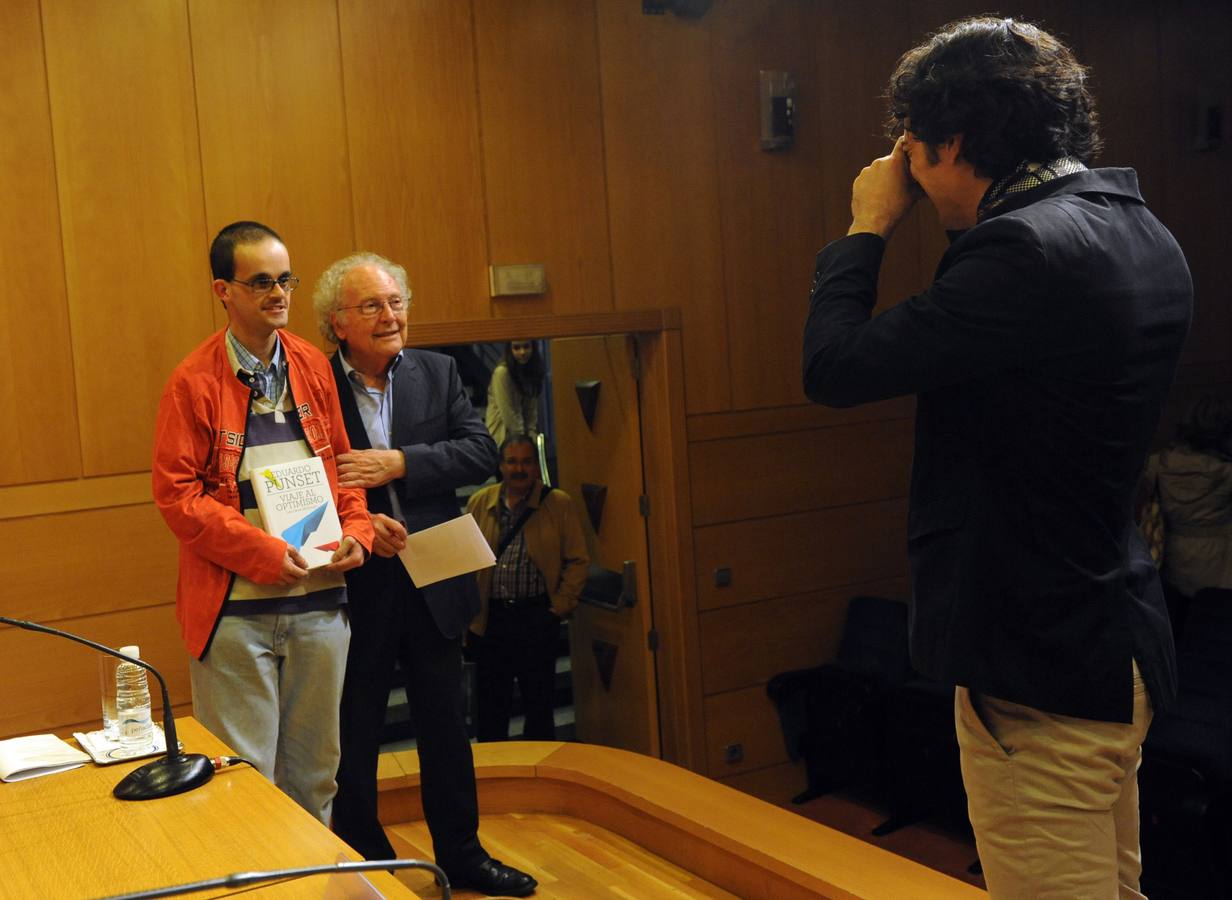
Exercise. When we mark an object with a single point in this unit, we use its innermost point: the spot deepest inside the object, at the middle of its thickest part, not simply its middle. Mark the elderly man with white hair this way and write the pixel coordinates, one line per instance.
(415, 439)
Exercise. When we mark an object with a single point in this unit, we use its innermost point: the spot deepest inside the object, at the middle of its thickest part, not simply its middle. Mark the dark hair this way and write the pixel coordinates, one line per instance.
(518, 439)
(222, 250)
(527, 377)
(1013, 91)
(1207, 427)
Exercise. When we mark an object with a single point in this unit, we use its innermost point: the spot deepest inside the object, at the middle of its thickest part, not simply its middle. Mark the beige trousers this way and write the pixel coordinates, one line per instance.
(1053, 799)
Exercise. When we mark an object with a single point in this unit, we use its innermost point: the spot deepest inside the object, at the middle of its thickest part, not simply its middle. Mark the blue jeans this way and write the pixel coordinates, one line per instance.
(269, 687)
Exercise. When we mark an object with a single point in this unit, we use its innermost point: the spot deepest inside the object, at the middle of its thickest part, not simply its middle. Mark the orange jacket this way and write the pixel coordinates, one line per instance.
(198, 442)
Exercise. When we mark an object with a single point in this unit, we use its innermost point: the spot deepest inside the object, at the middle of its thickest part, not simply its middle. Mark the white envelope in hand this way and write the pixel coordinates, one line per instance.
(446, 550)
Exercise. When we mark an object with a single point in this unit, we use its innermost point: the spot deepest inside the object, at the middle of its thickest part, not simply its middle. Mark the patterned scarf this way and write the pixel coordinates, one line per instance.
(1026, 177)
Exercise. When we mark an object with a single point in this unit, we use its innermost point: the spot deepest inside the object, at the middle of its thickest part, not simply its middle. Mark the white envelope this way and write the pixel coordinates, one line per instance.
(446, 550)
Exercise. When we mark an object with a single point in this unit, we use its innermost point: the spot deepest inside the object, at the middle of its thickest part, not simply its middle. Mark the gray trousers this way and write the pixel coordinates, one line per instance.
(269, 688)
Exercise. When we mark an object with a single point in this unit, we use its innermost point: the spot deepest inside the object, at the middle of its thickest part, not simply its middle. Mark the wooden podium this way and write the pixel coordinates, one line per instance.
(65, 835)
(737, 843)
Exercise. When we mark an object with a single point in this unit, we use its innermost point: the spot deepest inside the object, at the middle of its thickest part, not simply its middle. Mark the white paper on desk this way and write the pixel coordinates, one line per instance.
(445, 551)
(37, 754)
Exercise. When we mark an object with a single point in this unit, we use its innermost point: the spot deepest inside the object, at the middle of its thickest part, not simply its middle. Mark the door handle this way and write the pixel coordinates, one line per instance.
(628, 584)
(610, 590)
(541, 451)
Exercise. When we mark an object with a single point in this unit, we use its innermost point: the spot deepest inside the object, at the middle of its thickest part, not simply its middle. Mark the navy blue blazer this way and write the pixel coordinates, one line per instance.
(1042, 354)
(446, 447)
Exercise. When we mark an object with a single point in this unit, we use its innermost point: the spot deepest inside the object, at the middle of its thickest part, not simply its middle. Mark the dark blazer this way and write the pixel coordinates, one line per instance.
(446, 447)
(1042, 354)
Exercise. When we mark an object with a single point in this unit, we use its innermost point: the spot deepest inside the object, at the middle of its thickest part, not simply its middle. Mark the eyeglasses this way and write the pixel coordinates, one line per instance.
(263, 284)
(372, 308)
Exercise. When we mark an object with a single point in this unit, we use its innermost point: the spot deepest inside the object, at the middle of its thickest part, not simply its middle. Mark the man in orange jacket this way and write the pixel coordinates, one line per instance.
(267, 636)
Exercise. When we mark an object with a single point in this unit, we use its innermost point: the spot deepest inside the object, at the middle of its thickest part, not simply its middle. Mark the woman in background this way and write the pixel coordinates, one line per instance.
(1193, 478)
(513, 393)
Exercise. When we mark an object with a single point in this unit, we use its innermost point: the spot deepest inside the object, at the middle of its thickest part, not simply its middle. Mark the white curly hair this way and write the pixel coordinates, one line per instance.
(329, 287)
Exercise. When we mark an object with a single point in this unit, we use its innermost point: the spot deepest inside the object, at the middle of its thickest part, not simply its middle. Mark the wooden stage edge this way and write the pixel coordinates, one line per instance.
(733, 840)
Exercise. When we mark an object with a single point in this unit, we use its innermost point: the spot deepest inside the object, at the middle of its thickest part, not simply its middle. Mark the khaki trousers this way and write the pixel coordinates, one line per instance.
(1053, 799)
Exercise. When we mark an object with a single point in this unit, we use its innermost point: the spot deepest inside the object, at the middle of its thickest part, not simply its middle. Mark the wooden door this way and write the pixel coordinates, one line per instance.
(614, 688)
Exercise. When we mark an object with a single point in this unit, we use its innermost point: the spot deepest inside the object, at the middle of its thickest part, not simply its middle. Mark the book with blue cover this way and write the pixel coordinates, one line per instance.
(297, 505)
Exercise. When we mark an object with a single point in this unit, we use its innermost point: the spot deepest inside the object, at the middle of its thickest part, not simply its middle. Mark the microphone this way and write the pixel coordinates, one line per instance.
(174, 773)
(242, 879)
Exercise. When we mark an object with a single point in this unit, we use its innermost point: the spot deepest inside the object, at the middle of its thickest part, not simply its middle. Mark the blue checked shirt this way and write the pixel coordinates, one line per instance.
(271, 381)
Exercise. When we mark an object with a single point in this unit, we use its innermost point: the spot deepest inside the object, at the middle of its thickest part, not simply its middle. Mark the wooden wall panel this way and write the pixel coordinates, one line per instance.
(812, 551)
(924, 17)
(1196, 66)
(541, 121)
(1120, 44)
(123, 558)
(273, 131)
(116, 587)
(857, 48)
(41, 447)
(129, 176)
(1151, 64)
(770, 202)
(46, 497)
(768, 475)
(416, 166)
(662, 176)
(782, 419)
(804, 630)
(51, 684)
(748, 718)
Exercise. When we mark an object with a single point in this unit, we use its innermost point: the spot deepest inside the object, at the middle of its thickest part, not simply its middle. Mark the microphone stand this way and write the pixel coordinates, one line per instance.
(174, 773)
(243, 879)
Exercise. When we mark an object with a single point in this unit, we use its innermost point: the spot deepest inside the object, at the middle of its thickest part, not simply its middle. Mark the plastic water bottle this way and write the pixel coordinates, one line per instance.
(133, 704)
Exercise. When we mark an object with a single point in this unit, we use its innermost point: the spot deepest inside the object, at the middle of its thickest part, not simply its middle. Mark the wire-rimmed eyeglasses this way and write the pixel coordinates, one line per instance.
(372, 307)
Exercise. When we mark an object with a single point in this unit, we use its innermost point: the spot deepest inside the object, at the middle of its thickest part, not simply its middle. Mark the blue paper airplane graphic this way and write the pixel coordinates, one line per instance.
(298, 533)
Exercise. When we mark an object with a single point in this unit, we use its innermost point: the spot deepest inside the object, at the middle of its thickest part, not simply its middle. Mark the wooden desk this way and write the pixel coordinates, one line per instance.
(66, 836)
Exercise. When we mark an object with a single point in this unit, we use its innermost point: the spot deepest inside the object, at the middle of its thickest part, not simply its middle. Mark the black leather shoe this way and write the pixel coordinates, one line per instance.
(494, 879)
